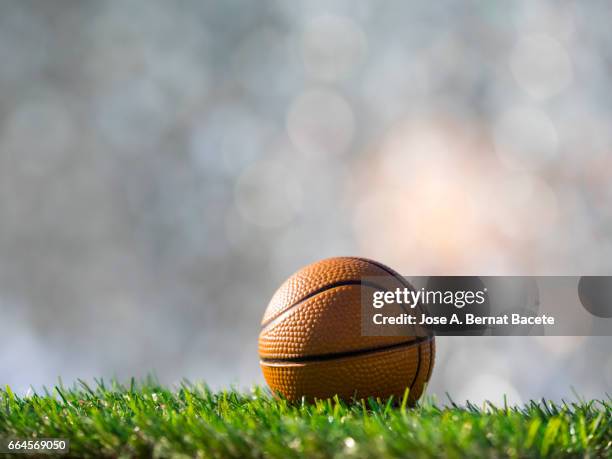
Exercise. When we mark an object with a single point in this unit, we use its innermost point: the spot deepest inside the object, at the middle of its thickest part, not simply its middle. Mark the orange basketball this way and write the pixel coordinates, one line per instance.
(311, 343)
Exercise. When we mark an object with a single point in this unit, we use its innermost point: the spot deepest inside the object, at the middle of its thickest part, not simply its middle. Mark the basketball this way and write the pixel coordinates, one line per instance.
(311, 343)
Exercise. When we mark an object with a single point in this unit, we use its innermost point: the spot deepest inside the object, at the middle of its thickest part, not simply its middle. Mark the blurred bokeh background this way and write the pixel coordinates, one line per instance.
(164, 166)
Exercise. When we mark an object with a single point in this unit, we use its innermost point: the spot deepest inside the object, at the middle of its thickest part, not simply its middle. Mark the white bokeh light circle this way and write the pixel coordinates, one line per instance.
(320, 121)
(541, 66)
(332, 46)
(267, 194)
(525, 138)
(489, 387)
(230, 139)
(560, 346)
(522, 207)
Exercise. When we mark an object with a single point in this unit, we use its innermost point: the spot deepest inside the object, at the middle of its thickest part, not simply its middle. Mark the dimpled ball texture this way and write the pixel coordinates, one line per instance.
(311, 344)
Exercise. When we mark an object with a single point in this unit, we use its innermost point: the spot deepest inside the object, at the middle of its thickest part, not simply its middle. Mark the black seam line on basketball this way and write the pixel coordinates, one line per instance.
(388, 270)
(396, 275)
(384, 268)
(418, 369)
(341, 355)
(319, 291)
(430, 360)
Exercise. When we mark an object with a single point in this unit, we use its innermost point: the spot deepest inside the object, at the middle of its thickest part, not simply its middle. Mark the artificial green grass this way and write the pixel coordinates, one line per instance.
(112, 420)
